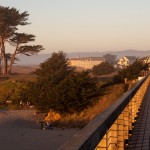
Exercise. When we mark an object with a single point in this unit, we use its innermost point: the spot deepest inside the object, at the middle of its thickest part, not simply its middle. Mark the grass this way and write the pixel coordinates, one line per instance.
(2, 106)
(22, 77)
(13, 83)
(9, 107)
(12, 107)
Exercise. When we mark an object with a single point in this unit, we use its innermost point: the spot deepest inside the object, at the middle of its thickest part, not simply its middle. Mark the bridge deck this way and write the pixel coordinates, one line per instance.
(140, 139)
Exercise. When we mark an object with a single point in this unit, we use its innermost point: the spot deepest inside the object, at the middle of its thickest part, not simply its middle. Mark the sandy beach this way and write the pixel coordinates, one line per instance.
(19, 131)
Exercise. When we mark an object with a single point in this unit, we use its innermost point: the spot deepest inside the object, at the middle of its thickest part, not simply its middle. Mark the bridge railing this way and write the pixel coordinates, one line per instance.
(113, 127)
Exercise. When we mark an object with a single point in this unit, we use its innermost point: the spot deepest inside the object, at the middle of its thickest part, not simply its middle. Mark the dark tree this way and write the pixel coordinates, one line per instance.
(131, 72)
(10, 18)
(75, 93)
(60, 87)
(110, 58)
(17, 40)
(103, 69)
(55, 69)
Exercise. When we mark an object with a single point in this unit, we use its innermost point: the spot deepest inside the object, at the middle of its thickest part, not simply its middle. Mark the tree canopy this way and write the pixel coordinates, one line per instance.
(10, 19)
(110, 58)
(103, 68)
(55, 69)
(60, 87)
(131, 72)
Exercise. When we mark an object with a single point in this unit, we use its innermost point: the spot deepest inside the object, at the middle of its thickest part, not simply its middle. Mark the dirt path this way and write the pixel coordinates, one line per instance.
(18, 131)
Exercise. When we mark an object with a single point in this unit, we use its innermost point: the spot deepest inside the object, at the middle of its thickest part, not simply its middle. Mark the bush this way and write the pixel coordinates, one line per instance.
(131, 72)
(11, 91)
(103, 69)
(60, 87)
(75, 93)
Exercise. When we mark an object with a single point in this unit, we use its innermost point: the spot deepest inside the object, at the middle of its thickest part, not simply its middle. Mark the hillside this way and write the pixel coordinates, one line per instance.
(119, 54)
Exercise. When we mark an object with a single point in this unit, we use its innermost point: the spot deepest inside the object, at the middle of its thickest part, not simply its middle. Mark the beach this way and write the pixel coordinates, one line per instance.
(19, 131)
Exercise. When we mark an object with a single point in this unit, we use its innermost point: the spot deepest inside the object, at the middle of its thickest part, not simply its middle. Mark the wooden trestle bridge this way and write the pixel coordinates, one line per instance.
(124, 125)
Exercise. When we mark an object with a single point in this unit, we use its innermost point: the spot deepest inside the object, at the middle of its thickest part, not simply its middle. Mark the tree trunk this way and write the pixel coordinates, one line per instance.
(1, 55)
(12, 60)
(4, 67)
(11, 63)
(0, 64)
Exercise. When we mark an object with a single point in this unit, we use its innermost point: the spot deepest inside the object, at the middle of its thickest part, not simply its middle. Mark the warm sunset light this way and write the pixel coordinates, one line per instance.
(74, 75)
(86, 25)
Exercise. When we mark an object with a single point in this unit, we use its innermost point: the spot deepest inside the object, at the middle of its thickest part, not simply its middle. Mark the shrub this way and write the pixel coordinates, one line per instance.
(75, 93)
(103, 69)
(60, 87)
(131, 72)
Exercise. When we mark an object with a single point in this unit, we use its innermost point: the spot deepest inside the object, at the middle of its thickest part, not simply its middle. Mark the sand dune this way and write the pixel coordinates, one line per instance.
(19, 131)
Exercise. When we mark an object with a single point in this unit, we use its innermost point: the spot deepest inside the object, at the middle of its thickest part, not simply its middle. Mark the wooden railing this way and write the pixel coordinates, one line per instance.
(113, 127)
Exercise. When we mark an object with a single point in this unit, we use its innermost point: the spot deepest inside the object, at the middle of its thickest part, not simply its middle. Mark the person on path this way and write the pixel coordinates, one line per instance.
(21, 104)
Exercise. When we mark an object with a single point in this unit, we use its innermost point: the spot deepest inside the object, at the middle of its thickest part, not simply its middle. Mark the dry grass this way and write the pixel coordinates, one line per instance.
(21, 73)
(79, 120)
(5, 87)
(24, 69)
(22, 77)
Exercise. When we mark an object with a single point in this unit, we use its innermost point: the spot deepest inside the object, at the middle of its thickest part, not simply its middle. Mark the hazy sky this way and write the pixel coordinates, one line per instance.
(87, 25)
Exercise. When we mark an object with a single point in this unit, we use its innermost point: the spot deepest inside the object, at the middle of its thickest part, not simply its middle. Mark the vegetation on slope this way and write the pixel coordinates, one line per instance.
(60, 87)
(76, 96)
(103, 69)
(131, 72)
(80, 119)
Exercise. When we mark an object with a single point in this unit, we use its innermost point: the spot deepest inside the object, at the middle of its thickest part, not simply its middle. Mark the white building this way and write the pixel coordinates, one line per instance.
(126, 61)
(86, 62)
(146, 59)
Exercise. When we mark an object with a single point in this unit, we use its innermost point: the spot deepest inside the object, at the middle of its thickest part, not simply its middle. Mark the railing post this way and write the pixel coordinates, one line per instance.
(112, 137)
(133, 105)
(126, 125)
(130, 118)
(120, 122)
(102, 144)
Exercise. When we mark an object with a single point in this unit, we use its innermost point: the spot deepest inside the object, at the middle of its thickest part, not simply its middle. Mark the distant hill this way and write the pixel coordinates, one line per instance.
(119, 54)
(37, 59)
(135, 53)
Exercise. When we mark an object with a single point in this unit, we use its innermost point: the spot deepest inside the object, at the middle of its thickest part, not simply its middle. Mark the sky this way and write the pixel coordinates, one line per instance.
(87, 25)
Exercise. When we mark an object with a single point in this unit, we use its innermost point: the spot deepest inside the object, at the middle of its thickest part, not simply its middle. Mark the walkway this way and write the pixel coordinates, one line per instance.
(18, 131)
(140, 139)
